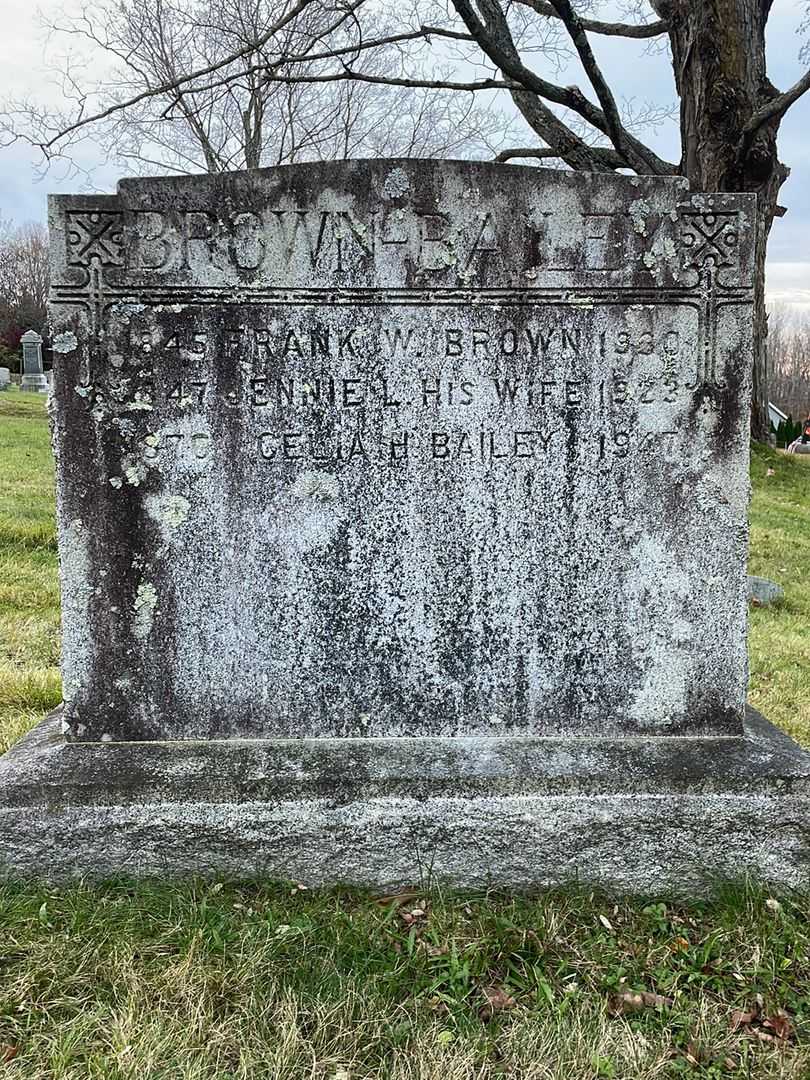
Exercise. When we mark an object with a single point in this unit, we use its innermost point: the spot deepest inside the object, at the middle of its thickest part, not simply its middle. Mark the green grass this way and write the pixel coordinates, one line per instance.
(219, 981)
(267, 981)
(29, 589)
(779, 636)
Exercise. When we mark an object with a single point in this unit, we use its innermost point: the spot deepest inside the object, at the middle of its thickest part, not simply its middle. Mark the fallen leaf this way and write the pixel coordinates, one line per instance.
(770, 472)
(769, 1029)
(414, 915)
(636, 1001)
(773, 905)
(779, 1024)
(496, 999)
(8, 1052)
(763, 1036)
(434, 950)
(741, 1018)
(605, 921)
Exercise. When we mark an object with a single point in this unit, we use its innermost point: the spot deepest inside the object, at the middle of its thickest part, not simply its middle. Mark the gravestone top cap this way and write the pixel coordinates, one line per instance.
(31, 337)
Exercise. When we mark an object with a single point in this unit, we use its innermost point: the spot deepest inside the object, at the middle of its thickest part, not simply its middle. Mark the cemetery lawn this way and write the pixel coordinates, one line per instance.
(221, 981)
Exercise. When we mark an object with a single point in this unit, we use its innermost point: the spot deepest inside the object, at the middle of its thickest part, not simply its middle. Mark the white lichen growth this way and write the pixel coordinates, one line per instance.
(396, 184)
(144, 608)
(139, 403)
(134, 474)
(638, 210)
(663, 254)
(65, 343)
(169, 511)
(116, 482)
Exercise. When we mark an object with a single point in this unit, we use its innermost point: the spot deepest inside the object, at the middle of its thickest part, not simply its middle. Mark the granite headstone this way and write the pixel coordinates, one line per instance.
(33, 376)
(5, 378)
(402, 508)
(763, 592)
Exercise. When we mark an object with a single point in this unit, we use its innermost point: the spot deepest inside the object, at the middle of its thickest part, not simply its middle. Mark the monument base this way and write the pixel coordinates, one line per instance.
(36, 384)
(644, 815)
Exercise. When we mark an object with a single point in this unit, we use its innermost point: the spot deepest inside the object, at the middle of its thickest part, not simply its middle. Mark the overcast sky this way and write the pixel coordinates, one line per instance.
(633, 75)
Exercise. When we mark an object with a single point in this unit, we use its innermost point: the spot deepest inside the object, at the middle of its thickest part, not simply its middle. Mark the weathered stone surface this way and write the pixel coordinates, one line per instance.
(651, 815)
(5, 378)
(402, 448)
(764, 592)
(411, 497)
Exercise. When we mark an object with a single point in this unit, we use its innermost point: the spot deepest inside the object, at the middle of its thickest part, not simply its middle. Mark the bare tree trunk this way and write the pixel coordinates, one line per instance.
(718, 54)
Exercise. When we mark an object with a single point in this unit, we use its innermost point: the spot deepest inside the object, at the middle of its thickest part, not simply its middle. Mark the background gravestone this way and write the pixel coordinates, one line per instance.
(33, 377)
(402, 515)
(5, 378)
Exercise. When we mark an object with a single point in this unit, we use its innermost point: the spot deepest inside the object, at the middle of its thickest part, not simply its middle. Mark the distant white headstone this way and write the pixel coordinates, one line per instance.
(33, 377)
(5, 378)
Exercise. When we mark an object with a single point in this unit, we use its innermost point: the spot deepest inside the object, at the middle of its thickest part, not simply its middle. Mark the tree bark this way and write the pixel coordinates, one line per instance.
(718, 56)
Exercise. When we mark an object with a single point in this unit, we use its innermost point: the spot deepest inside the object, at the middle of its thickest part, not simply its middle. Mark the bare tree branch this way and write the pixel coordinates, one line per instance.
(608, 157)
(777, 106)
(175, 84)
(618, 136)
(496, 42)
(609, 29)
(424, 32)
(348, 75)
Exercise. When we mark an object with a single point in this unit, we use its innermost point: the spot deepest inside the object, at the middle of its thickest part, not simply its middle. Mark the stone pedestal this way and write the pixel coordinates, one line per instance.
(650, 815)
(37, 384)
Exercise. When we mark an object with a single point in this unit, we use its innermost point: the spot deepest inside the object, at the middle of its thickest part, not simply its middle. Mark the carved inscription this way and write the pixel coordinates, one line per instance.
(355, 388)
(289, 243)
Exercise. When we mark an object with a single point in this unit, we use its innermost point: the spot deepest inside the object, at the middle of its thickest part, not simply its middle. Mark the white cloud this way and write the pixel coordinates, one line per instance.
(788, 283)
